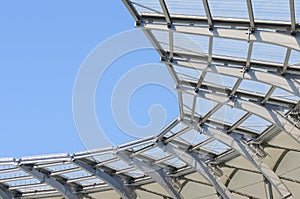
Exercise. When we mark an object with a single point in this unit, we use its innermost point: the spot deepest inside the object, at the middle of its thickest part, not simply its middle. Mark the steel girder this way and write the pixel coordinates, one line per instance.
(155, 172)
(5, 193)
(237, 143)
(218, 21)
(277, 38)
(60, 185)
(114, 181)
(195, 161)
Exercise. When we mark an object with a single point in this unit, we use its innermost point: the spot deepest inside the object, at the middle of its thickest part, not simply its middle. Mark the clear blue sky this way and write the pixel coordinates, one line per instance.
(42, 45)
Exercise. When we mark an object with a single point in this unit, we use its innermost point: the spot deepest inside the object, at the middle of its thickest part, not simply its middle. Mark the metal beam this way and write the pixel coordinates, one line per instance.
(155, 172)
(276, 38)
(268, 95)
(272, 67)
(65, 189)
(197, 163)
(293, 16)
(166, 12)
(208, 13)
(286, 60)
(132, 10)
(5, 193)
(239, 121)
(113, 180)
(219, 21)
(236, 143)
(250, 13)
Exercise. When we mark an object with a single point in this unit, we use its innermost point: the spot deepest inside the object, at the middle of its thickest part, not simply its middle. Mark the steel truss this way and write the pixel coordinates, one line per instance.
(183, 155)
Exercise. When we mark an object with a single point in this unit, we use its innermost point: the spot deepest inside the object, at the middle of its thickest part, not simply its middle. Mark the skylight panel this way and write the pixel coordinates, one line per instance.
(228, 8)
(253, 86)
(255, 123)
(192, 137)
(279, 93)
(187, 73)
(187, 7)
(268, 52)
(188, 43)
(271, 10)
(228, 114)
(230, 47)
(118, 165)
(76, 174)
(147, 6)
(204, 106)
(294, 58)
(216, 147)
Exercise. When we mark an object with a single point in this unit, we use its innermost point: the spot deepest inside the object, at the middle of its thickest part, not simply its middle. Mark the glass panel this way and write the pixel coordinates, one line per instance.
(254, 86)
(284, 94)
(271, 9)
(204, 105)
(295, 58)
(190, 43)
(187, 7)
(228, 8)
(193, 137)
(228, 114)
(230, 47)
(268, 52)
(255, 123)
(216, 147)
(187, 73)
(147, 6)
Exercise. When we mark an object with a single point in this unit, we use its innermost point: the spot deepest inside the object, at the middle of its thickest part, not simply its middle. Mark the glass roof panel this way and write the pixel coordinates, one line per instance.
(187, 102)
(230, 47)
(228, 114)
(216, 146)
(156, 153)
(187, 7)
(118, 165)
(284, 94)
(255, 123)
(253, 86)
(271, 9)
(204, 105)
(221, 80)
(228, 8)
(187, 73)
(90, 181)
(297, 10)
(23, 182)
(175, 162)
(268, 52)
(189, 43)
(294, 58)
(35, 188)
(192, 137)
(147, 6)
(76, 174)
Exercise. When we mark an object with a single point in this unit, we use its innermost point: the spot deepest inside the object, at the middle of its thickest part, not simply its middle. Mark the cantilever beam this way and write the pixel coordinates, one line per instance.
(155, 172)
(65, 189)
(195, 161)
(114, 181)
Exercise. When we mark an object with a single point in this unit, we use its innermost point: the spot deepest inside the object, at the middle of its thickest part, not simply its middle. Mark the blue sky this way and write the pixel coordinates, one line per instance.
(43, 44)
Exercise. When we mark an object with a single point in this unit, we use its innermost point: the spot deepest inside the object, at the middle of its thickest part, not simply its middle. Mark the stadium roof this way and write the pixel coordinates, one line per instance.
(236, 68)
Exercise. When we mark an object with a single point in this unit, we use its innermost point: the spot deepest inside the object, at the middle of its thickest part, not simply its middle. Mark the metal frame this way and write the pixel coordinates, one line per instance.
(244, 142)
(115, 182)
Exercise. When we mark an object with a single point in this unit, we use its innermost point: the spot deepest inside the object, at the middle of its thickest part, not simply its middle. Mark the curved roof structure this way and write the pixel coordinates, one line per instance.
(236, 68)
